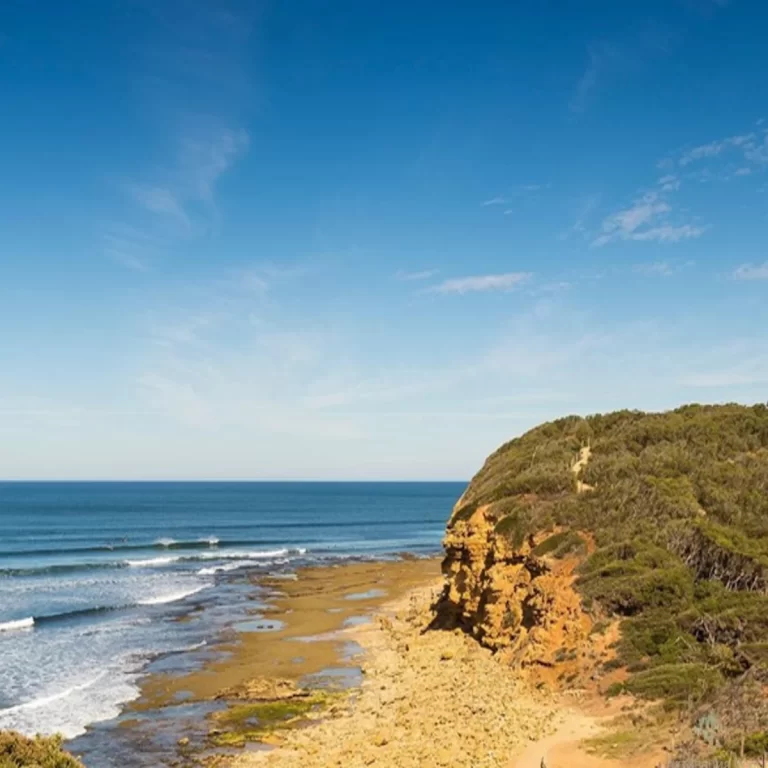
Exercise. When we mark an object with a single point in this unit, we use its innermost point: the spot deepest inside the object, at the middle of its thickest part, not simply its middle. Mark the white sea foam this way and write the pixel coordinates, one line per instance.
(172, 597)
(211, 540)
(209, 571)
(69, 710)
(9, 626)
(152, 561)
(45, 700)
(257, 555)
(165, 542)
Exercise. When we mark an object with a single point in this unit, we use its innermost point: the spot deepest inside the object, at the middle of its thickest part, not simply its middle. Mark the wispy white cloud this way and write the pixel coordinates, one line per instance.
(191, 85)
(624, 224)
(423, 274)
(586, 207)
(757, 153)
(181, 199)
(714, 148)
(752, 272)
(129, 260)
(587, 83)
(669, 183)
(501, 282)
(556, 287)
(660, 268)
(203, 159)
(126, 252)
(161, 201)
(645, 221)
(519, 190)
(669, 233)
(532, 187)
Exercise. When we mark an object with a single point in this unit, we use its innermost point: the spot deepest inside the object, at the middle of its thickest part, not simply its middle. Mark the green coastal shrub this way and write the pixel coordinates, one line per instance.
(678, 510)
(17, 751)
(561, 544)
(676, 682)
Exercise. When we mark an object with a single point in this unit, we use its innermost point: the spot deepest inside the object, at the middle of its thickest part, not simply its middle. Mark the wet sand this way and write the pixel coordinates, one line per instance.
(295, 636)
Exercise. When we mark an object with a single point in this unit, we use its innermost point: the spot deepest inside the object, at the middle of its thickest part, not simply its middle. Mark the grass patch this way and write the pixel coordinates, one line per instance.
(251, 722)
(617, 745)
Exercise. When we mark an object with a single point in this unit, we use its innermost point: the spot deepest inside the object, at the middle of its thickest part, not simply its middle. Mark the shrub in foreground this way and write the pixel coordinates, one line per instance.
(17, 751)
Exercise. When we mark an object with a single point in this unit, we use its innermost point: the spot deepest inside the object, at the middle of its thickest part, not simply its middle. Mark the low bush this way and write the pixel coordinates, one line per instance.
(676, 682)
(561, 544)
(18, 751)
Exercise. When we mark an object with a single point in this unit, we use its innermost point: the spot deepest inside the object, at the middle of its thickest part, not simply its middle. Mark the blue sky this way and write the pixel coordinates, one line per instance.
(358, 240)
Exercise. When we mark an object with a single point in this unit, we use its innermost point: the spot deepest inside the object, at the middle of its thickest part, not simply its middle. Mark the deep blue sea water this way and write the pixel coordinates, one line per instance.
(94, 575)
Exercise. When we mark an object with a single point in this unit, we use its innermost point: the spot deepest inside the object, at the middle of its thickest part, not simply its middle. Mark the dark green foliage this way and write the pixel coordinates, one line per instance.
(629, 585)
(464, 513)
(755, 744)
(679, 513)
(561, 544)
(514, 527)
(679, 683)
(17, 751)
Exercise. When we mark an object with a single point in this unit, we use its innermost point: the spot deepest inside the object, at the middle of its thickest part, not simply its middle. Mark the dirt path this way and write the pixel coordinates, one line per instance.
(584, 455)
(562, 744)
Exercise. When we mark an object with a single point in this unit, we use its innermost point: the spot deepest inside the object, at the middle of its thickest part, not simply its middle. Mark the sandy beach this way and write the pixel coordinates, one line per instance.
(432, 698)
(297, 633)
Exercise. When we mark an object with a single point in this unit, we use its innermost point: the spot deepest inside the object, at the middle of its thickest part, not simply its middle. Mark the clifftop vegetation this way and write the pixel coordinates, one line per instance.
(667, 514)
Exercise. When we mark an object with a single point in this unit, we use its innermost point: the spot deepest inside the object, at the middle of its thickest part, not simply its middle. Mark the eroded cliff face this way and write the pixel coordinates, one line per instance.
(514, 602)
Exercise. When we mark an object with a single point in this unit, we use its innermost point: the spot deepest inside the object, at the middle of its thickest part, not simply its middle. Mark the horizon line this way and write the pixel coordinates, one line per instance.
(8, 481)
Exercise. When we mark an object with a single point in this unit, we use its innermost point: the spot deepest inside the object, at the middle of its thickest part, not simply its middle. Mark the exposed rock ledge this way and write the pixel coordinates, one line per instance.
(509, 599)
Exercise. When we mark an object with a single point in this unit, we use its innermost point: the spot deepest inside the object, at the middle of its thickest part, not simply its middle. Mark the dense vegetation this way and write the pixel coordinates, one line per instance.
(678, 509)
(17, 751)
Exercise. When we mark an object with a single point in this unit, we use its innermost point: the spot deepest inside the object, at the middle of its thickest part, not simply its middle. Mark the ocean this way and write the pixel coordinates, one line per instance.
(95, 578)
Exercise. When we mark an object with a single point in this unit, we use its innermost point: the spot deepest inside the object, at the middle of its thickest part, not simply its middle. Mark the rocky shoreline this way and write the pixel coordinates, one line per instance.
(437, 698)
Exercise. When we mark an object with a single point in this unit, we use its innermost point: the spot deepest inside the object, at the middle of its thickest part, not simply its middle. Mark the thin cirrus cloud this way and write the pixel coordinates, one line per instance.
(661, 268)
(422, 274)
(520, 189)
(587, 83)
(751, 146)
(204, 159)
(645, 220)
(669, 183)
(714, 148)
(161, 201)
(180, 202)
(201, 161)
(752, 272)
(506, 281)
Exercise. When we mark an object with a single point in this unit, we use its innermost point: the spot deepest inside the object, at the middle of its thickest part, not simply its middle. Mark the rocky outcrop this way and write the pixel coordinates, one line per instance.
(509, 598)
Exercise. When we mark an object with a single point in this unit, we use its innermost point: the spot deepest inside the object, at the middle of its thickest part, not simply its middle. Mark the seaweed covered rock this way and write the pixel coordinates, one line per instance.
(659, 521)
